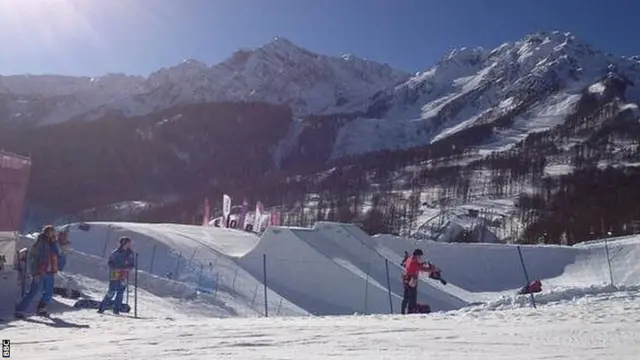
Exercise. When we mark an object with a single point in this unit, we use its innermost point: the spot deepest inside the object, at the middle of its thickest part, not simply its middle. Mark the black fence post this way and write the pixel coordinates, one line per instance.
(606, 249)
(386, 265)
(25, 269)
(264, 271)
(200, 276)
(526, 276)
(135, 289)
(153, 258)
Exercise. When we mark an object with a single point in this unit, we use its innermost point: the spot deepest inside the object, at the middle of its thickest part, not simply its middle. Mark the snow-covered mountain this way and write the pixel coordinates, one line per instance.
(47, 99)
(472, 102)
(278, 72)
(533, 84)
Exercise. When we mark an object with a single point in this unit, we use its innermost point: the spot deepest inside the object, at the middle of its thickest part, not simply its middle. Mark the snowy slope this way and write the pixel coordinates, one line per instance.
(491, 269)
(323, 264)
(534, 82)
(50, 99)
(498, 96)
(202, 258)
(336, 269)
(311, 279)
(277, 72)
(302, 265)
(306, 267)
(605, 326)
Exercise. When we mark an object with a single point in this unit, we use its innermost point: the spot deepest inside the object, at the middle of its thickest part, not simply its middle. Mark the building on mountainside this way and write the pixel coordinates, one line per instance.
(456, 227)
(460, 231)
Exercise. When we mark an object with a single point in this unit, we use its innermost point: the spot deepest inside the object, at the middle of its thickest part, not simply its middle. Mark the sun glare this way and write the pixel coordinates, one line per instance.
(43, 17)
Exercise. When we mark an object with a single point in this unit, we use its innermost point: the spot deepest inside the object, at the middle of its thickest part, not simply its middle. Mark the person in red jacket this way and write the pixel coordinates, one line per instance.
(412, 267)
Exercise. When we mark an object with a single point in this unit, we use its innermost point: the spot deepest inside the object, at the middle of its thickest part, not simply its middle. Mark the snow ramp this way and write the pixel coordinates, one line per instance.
(308, 278)
(494, 268)
(488, 267)
(349, 246)
(591, 265)
(201, 257)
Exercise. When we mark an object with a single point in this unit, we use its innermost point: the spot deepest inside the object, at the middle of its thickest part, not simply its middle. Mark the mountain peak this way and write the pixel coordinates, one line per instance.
(282, 44)
(465, 55)
(193, 63)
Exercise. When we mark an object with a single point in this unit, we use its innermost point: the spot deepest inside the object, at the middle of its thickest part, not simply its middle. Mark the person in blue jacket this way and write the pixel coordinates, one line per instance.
(44, 260)
(120, 262)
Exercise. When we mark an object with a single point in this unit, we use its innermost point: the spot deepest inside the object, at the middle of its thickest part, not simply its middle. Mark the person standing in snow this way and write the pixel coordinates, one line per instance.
(405, 258)
(412, 267)
(120, 262)
(42, 264)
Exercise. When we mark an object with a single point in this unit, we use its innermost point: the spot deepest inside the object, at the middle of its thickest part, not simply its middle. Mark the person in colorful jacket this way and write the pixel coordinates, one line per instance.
(412, 267)
(43, 262)
(120, 262)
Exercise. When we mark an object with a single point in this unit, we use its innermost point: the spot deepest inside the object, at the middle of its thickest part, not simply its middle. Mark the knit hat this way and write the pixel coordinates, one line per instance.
(48, 228)
(417, 252)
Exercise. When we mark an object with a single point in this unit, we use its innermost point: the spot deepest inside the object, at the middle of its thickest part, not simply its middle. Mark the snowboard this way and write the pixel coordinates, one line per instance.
(32, 315)
(67, 293)
(95, 304)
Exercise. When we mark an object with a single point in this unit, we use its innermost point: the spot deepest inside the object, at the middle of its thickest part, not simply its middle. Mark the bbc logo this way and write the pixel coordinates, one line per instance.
(6, 348)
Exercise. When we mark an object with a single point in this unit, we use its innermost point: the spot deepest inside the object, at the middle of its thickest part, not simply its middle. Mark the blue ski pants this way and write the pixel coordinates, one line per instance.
(41, 284)
(116, 288)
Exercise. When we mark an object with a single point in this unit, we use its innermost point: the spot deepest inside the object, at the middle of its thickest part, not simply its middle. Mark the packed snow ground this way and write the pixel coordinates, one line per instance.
(605, 326)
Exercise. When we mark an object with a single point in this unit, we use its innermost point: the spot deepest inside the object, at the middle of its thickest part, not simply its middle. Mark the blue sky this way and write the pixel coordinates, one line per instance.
(94, 37)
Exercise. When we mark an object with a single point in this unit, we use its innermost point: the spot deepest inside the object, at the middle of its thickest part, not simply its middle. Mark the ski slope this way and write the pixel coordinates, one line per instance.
(488, 271)
(200, 259)
(604, 326)
(304, 267)
(337, 269)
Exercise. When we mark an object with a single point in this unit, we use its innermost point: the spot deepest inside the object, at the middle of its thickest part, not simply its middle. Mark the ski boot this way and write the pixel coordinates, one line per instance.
(19, 315)
(41, 309)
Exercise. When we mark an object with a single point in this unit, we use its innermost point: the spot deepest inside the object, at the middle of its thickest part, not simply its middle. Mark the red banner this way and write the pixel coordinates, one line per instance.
(14, 179)
(275, 218)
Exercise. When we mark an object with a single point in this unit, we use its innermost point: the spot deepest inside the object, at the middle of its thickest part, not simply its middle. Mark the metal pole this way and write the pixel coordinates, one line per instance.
(215, 289)
(255, 293)
(606, 249)
(526, 276)
(175, 273)
(264, 271)
(153, 258)
(366, 285)
(279, 306)
(25, 268)
(106, 242)
(233, 284)
(386, 265)
(135, 289)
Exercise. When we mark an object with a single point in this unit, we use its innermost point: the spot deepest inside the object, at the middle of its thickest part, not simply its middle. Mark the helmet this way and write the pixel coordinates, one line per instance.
(417, 252)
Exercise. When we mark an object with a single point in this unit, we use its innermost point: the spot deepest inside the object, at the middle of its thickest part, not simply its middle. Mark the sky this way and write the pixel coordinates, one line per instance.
(95, 37)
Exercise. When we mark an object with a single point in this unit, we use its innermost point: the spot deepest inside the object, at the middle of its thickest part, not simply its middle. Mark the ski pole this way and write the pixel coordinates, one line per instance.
(135, 289)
